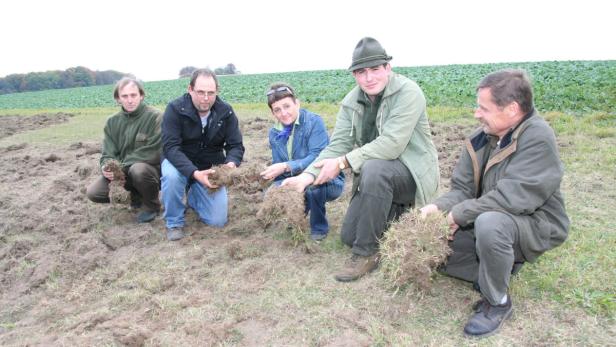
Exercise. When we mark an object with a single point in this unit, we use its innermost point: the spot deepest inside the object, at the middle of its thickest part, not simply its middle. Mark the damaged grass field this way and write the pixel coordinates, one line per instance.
(76, 273)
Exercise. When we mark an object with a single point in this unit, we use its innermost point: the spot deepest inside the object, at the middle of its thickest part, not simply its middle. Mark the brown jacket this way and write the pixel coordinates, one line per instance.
(520, 177)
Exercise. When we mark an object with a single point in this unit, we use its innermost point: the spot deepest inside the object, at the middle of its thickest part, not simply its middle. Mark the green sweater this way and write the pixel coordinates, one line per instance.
(403, 133)
(133, 137)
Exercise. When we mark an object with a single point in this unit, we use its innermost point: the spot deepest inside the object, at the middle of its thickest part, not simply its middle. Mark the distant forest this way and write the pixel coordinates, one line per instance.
(72, 77)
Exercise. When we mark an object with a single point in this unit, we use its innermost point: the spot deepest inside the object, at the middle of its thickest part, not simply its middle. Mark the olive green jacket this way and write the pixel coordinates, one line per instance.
(403, 133)
(133, 137)
(520, 177)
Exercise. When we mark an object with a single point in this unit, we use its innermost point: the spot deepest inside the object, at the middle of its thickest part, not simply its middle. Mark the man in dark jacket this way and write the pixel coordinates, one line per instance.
(505, 206)
(132, 138)
(199, 131)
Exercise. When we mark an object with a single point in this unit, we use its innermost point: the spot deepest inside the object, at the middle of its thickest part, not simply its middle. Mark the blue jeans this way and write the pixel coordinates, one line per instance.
(211, 207)
(315, 198)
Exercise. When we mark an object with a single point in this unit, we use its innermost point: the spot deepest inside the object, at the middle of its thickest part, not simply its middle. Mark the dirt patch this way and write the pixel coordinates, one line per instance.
(10, 125)
(448, 140)
(51, 236)
(77, 273)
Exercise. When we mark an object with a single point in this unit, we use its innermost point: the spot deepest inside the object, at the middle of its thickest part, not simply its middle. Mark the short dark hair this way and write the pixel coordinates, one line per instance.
(507, 86)
(203, 72)
(287, 92)
(123, 82)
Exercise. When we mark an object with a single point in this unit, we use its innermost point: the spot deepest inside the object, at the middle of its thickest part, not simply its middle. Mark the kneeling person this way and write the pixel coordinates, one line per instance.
(199, 131)
(132, 138)
(296, 140)
(505, 205)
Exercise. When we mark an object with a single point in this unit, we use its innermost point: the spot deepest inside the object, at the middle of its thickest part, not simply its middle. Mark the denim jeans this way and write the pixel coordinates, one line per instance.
(315, 198)
(211, 207)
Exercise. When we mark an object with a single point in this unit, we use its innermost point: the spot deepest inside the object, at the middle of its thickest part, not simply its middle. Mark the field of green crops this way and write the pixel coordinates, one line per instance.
(572, 86)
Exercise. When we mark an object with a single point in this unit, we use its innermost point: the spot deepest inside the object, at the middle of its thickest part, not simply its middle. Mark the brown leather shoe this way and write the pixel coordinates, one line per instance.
(357, 267)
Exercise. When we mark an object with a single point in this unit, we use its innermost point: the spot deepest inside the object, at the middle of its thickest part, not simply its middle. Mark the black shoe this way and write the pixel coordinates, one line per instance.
(487, 318)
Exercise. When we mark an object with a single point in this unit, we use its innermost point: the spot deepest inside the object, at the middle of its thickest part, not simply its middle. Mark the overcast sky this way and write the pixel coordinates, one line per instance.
(154, 41)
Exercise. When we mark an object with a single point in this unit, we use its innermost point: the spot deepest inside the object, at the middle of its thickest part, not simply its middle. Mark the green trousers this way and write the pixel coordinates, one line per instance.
(486, 253)
(381, 192)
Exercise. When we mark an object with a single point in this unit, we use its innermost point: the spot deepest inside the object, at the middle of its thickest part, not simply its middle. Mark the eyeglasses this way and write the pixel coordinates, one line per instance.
(279, 90)
(203, 93)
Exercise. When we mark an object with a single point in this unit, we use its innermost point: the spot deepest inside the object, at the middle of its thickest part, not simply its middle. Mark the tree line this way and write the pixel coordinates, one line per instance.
(78, 76)
(229, 69)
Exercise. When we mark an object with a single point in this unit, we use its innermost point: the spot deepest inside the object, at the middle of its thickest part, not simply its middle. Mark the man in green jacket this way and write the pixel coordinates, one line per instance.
(132, 137)
(505, 205)
(382, 134)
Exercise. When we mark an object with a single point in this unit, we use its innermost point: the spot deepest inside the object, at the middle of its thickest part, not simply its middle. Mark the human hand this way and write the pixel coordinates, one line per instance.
(231, 165)
(299, 182)
(202, 177)
(329, 170)
(108, 174)
(453, 226)
(274, 171)
(428, 210)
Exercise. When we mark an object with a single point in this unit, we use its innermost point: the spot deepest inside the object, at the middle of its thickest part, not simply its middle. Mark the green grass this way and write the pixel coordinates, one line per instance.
(573, 86)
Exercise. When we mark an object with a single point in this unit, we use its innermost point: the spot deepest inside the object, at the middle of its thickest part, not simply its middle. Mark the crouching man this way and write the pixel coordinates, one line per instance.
(132, 138)
(505, 206)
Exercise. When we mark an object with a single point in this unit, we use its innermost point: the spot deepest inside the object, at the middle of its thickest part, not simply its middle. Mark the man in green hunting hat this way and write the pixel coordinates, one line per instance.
(383, 137)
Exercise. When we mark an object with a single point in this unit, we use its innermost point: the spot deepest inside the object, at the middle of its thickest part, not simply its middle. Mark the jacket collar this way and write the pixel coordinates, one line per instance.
(506, 140)
(299, 120)
(185, 106)
(393, 86)
(480, 138)
(137, 112)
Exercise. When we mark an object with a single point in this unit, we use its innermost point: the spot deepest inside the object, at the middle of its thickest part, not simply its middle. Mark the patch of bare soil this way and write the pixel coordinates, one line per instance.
(10, 125)
(77, 273)
(448, 140)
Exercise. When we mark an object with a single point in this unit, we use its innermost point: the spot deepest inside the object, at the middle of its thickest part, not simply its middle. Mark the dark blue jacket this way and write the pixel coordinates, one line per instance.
(309, 139)
(190, 147)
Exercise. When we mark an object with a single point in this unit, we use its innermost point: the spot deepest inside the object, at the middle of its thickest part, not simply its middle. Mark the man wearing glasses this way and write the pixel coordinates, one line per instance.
(382, 134)
(199, 130)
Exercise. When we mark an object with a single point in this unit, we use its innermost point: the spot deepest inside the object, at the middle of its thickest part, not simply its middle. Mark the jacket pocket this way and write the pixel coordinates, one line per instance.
(140, 140)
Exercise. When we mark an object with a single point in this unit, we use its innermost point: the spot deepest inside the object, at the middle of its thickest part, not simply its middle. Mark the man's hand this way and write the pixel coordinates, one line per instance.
(428, 210)
(274, 171)
(108, 174)
(329, 170)
(453, 226)
(202, 177)
(299, 182)
(231, 165)
(432, 208)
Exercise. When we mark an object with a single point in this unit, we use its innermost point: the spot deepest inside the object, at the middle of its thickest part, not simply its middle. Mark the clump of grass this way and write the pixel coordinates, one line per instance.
(285, 207)
(245, 178)
(413, 248)
(222, 176)
(117, 193)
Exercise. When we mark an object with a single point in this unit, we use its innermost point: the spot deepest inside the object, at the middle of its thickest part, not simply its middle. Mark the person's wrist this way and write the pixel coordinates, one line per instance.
(310, 177)
(342, 163)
